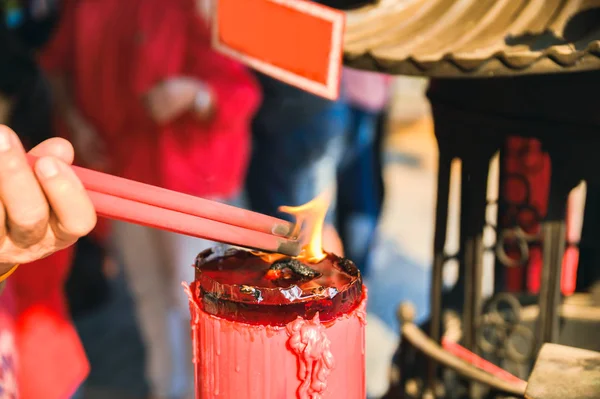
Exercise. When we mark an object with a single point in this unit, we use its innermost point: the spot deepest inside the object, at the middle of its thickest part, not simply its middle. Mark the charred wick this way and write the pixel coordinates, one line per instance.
(203, 256)
(297, 267)
(348, 266)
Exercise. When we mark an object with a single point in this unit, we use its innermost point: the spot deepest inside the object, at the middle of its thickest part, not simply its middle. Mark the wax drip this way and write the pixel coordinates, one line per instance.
(195, 313)
(308, 340)
(361, 310)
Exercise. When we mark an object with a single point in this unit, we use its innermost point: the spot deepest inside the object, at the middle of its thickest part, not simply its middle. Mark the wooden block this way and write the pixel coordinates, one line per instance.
(296, 41)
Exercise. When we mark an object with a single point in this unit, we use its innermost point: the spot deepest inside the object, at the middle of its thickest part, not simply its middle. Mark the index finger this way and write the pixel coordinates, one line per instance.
(55, 147)
(74, 212)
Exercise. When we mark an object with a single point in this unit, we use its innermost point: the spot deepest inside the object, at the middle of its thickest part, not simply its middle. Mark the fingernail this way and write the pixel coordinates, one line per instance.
(5, 143)
(47, 167)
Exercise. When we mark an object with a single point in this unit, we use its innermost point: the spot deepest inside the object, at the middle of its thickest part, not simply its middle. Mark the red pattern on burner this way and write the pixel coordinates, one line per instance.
(309, 341)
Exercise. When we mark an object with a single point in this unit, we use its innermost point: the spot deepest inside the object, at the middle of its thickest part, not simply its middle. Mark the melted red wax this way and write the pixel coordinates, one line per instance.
(311, 360)
(238, 286)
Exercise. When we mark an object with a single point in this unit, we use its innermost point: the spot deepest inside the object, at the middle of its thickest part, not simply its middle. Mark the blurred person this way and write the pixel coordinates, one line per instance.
(25, 96)
(297, 145)
(297, 139)
(27, 27)
(35, 299)
(45, 210)
(142, 94)
(360, 180)
(304, 144)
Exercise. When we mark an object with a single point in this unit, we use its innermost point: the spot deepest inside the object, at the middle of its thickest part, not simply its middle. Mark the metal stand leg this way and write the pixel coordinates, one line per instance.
(566, 177)
(441, 222)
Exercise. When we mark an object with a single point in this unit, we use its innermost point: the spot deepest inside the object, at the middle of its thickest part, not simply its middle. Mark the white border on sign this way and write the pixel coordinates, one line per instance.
(337, 18)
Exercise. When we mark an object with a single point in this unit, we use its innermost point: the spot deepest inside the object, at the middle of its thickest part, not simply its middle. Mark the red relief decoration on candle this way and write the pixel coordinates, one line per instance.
(308, 340)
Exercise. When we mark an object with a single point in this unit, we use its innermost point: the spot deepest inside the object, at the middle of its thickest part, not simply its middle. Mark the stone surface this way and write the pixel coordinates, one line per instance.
(564, 372)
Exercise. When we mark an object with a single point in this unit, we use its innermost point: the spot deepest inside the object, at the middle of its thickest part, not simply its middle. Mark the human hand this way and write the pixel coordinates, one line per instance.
(175, 96)
(89, 147)
(204, 8)
(42, 210)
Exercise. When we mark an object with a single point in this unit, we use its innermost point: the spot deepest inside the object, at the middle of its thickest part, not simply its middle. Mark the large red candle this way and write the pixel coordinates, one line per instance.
(277, 330)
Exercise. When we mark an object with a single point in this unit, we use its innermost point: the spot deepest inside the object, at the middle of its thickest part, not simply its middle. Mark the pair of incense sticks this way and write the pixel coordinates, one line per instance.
(130, 201)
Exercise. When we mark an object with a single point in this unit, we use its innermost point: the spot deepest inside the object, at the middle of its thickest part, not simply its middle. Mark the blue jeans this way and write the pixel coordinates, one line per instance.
(359, 188)
(296, 154)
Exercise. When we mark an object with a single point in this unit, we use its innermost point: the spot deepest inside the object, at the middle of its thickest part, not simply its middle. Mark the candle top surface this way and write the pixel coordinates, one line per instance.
(226, 279)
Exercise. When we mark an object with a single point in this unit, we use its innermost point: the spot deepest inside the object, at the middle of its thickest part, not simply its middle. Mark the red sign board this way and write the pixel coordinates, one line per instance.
(296, 41)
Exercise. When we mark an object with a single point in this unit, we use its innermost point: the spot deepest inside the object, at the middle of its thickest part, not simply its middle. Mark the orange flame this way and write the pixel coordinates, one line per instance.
(268, 257)
(310, 219)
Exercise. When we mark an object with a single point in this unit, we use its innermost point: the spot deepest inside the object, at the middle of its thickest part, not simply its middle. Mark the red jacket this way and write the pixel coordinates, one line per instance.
(51, 360)
(115, 51)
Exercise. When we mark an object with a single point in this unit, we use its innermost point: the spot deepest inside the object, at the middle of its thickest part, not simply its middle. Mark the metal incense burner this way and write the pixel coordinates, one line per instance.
(513, 123)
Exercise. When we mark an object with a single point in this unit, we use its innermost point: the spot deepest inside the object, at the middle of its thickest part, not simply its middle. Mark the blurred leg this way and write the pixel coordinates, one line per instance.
(145, 263)
(182, 251)
(380, 134)
(359, 191)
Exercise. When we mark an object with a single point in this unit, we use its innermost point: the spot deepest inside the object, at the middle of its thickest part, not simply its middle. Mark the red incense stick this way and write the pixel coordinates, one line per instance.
(135, 202)
(173, 200)
(479, 362)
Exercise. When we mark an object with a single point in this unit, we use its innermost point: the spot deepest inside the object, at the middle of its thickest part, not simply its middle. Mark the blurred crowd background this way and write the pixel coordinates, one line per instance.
(136, 87)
